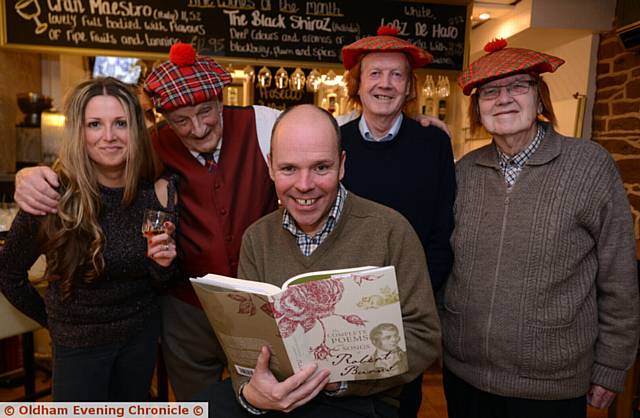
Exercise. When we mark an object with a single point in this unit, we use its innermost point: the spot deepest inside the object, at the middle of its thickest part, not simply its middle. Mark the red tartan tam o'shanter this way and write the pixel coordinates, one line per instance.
(385, 41)
(186, 79)
(502, 62)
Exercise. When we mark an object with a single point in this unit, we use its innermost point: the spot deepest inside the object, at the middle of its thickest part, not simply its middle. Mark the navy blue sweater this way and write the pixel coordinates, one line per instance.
(414, 174)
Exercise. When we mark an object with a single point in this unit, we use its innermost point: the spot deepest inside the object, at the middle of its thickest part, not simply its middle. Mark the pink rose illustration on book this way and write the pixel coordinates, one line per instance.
(247, 307)
(306, 305)
(359, 278)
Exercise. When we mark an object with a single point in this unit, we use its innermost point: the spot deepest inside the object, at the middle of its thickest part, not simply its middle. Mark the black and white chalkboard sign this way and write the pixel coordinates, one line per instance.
(298, 30)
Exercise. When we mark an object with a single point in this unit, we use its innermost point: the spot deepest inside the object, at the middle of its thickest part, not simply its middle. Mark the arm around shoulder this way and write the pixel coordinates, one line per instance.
(36, 190)
(426, 120)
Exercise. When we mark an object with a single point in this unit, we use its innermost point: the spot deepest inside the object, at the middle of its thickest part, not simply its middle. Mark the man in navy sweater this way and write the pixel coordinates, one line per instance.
(393, 160)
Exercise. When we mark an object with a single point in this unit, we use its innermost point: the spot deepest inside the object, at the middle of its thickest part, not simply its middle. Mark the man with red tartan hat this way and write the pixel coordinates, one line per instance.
(393, 160)
(219, 154)
(541, 310)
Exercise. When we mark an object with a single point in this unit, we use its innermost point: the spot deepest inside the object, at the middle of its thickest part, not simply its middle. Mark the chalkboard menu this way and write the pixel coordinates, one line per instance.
(300, 30)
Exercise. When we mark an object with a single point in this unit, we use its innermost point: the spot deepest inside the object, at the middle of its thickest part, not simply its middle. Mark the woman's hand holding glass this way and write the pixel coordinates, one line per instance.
(158, 230)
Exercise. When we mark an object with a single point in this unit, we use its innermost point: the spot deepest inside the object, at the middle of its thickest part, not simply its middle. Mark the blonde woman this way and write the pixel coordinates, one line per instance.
(100, 305)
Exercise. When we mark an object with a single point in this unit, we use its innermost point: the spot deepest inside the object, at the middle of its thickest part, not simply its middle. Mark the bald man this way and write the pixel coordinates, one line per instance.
(321, 226)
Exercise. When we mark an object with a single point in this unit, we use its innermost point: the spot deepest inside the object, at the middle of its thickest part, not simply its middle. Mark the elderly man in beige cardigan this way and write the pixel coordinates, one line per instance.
(541, 308)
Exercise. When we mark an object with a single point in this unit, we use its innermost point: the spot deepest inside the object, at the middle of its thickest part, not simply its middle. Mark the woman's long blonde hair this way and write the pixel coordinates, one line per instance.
(72, 238)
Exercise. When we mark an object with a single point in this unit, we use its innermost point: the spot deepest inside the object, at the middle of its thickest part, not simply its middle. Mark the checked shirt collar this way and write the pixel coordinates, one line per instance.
(309, 244)
(510, 167)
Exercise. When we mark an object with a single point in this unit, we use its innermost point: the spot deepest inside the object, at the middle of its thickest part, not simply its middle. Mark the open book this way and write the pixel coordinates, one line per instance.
(348, 321)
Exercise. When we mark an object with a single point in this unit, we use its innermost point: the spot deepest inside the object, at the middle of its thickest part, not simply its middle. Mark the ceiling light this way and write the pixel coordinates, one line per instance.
(484, 16)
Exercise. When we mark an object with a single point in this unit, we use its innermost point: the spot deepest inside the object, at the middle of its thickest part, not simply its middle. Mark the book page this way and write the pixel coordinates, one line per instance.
(243, 323)
(239, 285)
(244, 353)
(351, 324)
(320, 275)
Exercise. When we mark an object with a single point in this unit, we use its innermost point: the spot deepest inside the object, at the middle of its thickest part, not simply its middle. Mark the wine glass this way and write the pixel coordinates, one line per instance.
(314, 79)
(297, 80)
(281, 78)
(30, 9)
(153, 223)
(250, 73)
(428, 88)
(442, 89)
(264, 77)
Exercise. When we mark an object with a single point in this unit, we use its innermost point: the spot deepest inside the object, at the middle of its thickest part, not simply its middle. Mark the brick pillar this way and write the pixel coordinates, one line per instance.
(616, 113)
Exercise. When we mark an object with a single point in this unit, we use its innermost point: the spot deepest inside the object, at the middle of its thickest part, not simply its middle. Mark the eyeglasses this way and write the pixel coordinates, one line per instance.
(516, 88)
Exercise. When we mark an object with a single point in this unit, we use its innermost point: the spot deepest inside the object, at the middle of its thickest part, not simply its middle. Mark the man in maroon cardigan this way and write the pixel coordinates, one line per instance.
(224, 187)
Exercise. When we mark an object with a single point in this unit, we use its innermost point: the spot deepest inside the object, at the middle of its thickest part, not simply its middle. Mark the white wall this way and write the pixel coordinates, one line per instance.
(592, 15)
(60, 73)
(571, 78)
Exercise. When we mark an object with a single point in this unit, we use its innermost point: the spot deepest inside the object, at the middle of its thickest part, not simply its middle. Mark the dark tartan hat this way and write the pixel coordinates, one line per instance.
(186, 79)
(385, 41)
(502, 62)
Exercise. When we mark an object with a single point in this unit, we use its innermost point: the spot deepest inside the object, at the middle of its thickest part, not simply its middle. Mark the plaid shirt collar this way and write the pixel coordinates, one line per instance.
(309, 244)
(510, 167)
